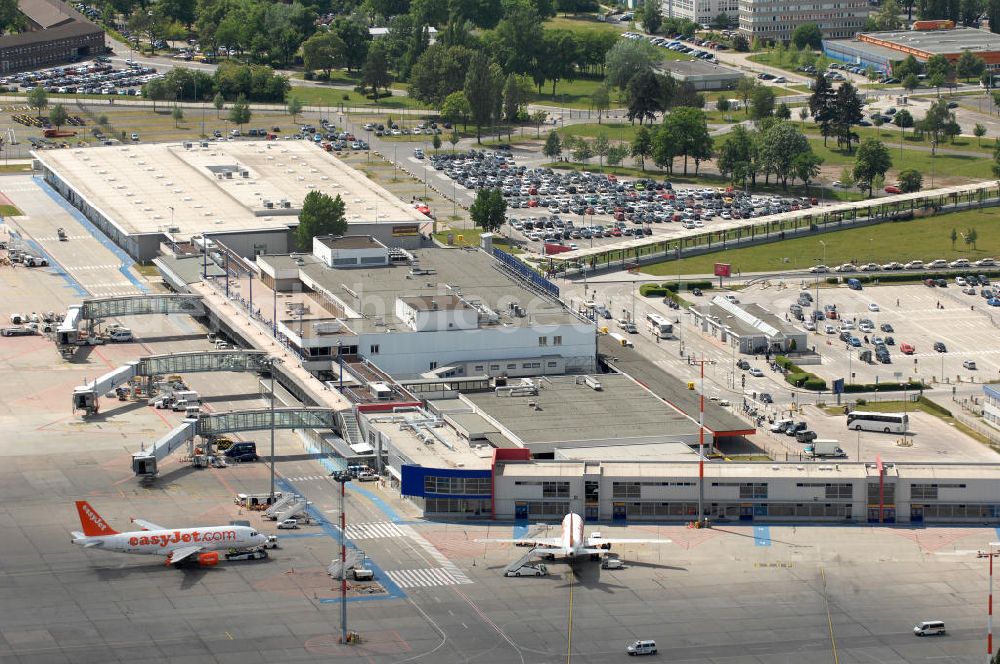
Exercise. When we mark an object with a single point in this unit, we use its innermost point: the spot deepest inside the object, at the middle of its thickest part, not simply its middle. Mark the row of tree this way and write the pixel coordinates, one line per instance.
(229, 81)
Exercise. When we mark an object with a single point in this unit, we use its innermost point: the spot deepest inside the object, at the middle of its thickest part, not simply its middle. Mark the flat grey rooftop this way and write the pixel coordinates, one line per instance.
(698, 68)
(669, 388)
(567, 410)
(941, 41)
(471, 273)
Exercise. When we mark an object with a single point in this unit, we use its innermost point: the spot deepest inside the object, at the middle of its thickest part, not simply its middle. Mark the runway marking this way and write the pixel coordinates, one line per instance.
(424, 578)
(380, 529)
(829, 617)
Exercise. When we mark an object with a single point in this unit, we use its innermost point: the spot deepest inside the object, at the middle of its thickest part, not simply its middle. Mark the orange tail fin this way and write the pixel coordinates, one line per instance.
(93, 524)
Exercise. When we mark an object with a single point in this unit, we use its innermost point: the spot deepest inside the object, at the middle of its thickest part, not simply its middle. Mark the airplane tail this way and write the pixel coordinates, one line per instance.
(93, 524)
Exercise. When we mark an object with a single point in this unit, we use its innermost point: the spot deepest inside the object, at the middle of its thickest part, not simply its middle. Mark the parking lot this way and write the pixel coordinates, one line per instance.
(573, 209)
(917, 315)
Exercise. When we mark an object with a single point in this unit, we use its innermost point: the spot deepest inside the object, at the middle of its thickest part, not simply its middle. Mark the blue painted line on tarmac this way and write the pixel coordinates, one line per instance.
(285, 536)
(383, 507)
(520, 531)
(762, 536)
(126, 260)
(998, 534)
(392, 591)
(56, 268)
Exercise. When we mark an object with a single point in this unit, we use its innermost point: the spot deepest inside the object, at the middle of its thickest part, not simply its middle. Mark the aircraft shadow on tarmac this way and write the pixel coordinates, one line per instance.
(191, 575)
(126, 407)
(587, 574)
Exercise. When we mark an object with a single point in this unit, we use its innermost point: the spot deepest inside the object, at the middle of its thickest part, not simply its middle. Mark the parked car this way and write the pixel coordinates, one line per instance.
(940, 347)
(756, 373)
(765, 397)
(886, 327)
(743, 365)
(907, 349)
(969, 364)
(806, 436)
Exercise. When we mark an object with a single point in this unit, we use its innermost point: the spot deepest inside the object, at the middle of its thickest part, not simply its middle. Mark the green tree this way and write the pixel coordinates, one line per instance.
(686, 131)
(872, 160)
(937, 79)
(993, 16)
(953, 236)
(294, 107)
(438, 72)
(616, 154)
(436, 142)
(601, 101)
(455, 108)
(847, 112)
(488, 210)
(782, 112)
(512, 99)
(643, 97)
(903, 119)
(878, 122)
(762, 103)
(481, 91)
(58, 116)
(722, 105)
(600, 147)
(979, 131)
(744, 89)
(553, 146)
(323, 51)
(808, 35)
(219, 102)
(970, 65)
(738, 157)
(652, 17)
(321, 215)
(239, 112)
(971, 236)
(538, 118)
(38, 99)
(780, 144)
(806, 167)
(582, 150)
(911, 83)
(375, 72)
(627, 58)
(453, 139)
(642, 146)
(887, 17)
(177, 113)
(937, 123)
(996, 160)
(910, 180)
(822, 105)
(803, 114)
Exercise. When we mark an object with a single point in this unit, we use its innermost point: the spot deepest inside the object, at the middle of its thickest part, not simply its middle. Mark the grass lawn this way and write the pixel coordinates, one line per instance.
(784, 61)
(926, 239)
(317, 96)
(583, 23)
(10, 211)
(889, 134)
(571, 94)
(469, 237)
(337, 77)
(949, 165)
(615, 131)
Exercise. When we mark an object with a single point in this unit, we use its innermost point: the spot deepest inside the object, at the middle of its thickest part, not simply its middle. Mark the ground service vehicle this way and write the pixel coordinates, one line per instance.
(884, 422)
(641, 647)
(256, 554)
(824, 448)
(929, 628)
(242, 451)
(528, 570)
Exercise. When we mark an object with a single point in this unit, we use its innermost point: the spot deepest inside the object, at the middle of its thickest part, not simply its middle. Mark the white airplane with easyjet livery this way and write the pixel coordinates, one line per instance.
(199, 545)
(572, 542)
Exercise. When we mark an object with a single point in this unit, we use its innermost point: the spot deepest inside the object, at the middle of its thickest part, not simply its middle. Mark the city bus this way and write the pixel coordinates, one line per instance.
(659, 325)
(884, 422)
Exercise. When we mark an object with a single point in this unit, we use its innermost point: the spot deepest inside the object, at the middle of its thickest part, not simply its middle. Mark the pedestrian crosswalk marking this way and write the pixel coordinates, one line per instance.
(306, 478)
(425, 578)
(432, 551)
(356, 531)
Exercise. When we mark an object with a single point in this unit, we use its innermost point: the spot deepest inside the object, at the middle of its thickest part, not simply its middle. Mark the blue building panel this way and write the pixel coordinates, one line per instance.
(413, 481)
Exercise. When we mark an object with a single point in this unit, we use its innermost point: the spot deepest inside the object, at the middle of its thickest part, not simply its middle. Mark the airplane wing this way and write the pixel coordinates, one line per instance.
(147, 525)
(534, 542)
(177, 555)
(618, 540)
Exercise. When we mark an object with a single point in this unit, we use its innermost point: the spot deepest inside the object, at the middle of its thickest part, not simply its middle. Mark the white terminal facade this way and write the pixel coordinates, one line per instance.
(701, 12)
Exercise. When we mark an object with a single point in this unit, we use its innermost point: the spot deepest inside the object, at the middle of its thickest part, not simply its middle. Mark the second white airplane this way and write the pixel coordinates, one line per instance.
(572, 543)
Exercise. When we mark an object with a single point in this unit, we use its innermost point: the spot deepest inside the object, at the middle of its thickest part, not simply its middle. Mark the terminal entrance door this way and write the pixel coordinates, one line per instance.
(619, 513)
(592, 513)
(592, 500)
(746, 512)
(916, 513)
(521, 511)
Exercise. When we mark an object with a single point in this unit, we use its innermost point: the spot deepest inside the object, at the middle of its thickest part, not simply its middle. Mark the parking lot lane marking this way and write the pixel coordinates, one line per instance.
(762, 536)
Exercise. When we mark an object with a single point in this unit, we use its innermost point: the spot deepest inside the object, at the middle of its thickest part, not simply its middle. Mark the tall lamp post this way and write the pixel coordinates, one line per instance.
(991, 554)
(270, 364)
(342, 478)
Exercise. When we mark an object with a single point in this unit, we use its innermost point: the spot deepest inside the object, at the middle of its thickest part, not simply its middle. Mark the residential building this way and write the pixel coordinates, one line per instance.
(775, 20)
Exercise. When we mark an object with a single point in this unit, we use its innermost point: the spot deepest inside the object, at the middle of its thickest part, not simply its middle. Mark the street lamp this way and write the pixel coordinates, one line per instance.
(270, 364)
(991, 554)
(342, 478)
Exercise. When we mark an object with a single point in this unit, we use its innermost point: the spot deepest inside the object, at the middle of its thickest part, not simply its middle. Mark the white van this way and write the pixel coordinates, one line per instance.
(929, 628)
(537, 569)
(641, 647)
(121, 335)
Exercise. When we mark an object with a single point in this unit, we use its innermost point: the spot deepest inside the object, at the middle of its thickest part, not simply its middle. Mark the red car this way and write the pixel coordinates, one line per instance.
(907, 349)
(893, 189)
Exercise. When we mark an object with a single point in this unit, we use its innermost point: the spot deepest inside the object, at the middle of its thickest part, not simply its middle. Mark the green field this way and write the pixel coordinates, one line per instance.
(584, 22)
(615, 131)
(574, 94)
(318, 96)
(925, 239)
(945, 165)
(10, 211)
(890, 134)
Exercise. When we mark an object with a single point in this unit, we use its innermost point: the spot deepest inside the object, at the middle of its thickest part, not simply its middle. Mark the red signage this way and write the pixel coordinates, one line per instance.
(722, 269)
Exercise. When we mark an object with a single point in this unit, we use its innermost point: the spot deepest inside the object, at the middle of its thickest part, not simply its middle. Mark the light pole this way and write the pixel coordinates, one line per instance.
(991, 554)
(701, 442)
(342, 478)
(271, 362)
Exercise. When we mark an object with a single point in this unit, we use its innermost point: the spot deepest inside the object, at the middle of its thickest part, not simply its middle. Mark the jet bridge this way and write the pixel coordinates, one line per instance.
(145, 462)
(85, 397)
(96, 309)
